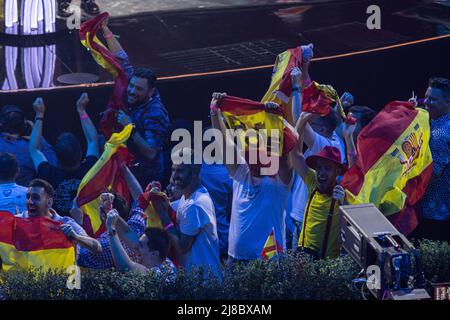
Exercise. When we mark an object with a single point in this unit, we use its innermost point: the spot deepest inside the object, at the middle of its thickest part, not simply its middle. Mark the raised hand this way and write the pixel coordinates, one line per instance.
(347, 100)
(111, 219)
(216, 97)
(296, 74)
(82, 102)
(307, 53)
(39, 107)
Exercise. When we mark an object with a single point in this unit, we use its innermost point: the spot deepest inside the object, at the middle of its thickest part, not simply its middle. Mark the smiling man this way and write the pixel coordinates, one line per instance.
(147, 113)
(39, 204)
(320, 232)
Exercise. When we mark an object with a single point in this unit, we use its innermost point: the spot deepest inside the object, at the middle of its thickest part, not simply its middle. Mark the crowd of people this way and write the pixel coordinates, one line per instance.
(224, 212)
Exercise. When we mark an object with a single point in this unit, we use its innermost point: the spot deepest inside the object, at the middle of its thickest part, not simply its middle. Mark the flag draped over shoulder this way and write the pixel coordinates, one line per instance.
(280, 89)
(89, 39)
(34, 243)
(394, 164)
(272, 247)
(104, 176)
(246, 114)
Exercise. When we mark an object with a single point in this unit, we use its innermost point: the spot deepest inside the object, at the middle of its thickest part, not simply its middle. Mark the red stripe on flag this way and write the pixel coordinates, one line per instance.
(416, 187)
(239, 106)
(32, 234)
(374, 140)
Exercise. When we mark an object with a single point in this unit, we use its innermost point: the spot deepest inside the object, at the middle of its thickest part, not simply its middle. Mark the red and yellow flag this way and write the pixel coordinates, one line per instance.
(248, 115)
(394, 164)
(34, 243)
(107, 60)
(152, 195)
(271, 247)
(104, 176)
(280, 89)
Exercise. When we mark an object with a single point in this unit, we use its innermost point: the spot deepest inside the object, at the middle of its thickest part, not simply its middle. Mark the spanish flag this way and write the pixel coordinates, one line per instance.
(104, 176)
(151, 195)
(280, 89)
(248, 115)
(34, 243)
(271, 247)
(394, 164)
(89, 39)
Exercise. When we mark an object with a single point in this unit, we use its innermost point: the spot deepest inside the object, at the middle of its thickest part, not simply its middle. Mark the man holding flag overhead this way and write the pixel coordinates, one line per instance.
(258, 200)
(135, 100)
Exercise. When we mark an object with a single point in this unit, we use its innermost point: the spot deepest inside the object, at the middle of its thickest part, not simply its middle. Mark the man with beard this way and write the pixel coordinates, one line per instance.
(147, 113)
(195, 237)
(320, 231)
(39, 204)
(434, 221)
(14, 139)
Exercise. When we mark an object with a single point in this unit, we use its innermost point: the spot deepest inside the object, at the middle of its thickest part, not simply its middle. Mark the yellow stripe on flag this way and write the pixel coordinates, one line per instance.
(406, 159)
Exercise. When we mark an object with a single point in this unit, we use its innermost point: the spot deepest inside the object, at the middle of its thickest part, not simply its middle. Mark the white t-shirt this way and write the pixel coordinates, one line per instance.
(196, 217)
(13, 196)
(299, 190)
(258, 207)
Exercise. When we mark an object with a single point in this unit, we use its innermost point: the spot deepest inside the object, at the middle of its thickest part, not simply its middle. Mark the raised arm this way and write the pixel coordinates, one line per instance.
(121, 259)
(297, 157)
(296, 93)
(307, 55)
(133, 185)
(219, 124)
(36, 134)
(89, 130)
(113, 44)
(352, 154)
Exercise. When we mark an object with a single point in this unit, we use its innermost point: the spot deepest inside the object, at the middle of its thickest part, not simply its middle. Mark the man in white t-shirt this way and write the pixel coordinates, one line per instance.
(195, 236)
(258, 200)
(13, 198)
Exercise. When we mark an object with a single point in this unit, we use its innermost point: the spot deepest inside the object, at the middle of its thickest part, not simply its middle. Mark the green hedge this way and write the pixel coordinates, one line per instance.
(290, 277)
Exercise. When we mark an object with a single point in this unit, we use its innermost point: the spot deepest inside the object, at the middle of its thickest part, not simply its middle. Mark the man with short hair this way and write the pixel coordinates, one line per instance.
(39, 204)
(66, 177)
(434, 221)
(195, 237)
(153, 247)
(147, 113)
(12, 196)
(14, 139)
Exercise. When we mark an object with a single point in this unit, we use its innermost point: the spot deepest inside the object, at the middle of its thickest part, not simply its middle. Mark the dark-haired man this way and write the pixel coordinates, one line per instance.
(12, 196)
(434, 222)
(65, 177)
(154, 246)
(14, 139)
(195, 235)
(147, 113)
(39, 204)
